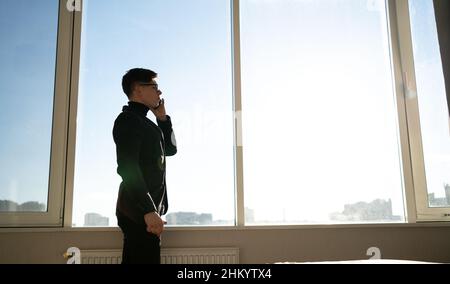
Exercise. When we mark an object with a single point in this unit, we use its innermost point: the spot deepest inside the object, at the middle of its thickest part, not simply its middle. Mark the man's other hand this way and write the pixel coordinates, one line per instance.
(155, 224)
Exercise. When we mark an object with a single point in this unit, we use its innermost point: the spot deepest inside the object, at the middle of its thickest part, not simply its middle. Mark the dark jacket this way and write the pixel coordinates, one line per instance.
(142, 147)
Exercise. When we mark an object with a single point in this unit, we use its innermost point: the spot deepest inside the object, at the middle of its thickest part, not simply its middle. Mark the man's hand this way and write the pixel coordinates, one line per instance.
(160, 111)
(155, 224)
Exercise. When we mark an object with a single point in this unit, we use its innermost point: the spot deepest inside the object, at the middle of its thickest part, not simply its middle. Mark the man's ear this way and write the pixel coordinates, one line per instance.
(135, 90)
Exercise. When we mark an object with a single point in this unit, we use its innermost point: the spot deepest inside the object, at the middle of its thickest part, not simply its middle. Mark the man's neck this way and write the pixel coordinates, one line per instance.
(138, 107)
(136, 100)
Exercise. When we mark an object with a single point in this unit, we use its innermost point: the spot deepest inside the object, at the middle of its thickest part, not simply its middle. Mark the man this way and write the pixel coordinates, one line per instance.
(142, 147)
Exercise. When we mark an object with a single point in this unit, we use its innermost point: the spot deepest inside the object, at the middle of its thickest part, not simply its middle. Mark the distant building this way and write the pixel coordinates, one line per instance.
(31, 206)
(189, 218)
(249, 215)
(377, 210)
(441, 201)
(95, 220)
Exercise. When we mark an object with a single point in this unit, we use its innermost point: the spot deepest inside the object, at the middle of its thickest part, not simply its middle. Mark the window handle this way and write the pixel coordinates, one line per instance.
(408, 87)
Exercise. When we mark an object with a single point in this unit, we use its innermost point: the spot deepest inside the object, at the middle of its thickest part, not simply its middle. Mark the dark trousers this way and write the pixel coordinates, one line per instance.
(139, 246)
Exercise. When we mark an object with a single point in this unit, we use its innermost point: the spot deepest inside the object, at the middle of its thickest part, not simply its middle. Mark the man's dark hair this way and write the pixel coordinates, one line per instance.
(134, 76)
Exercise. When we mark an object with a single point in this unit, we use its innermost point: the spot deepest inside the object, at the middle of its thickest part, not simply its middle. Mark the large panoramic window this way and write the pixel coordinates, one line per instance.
(188, 44)
(340, 109)
(320, 129)
(28, 41)
(432, 102)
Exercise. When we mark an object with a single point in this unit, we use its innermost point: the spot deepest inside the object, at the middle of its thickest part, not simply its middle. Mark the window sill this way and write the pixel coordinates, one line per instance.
(235, 228)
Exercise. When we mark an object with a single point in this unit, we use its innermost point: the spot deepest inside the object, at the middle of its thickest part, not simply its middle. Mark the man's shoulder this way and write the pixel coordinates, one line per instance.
(128, 119)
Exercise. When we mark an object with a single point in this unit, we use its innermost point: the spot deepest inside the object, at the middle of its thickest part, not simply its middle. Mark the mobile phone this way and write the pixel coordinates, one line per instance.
(161, 101)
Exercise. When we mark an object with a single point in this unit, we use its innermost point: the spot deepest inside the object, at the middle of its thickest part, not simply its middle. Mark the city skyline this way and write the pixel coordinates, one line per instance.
(356, 212)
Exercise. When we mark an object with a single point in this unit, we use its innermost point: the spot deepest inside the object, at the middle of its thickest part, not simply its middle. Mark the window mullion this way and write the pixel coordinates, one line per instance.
(399, 90)
(237, 111)
(73, 108)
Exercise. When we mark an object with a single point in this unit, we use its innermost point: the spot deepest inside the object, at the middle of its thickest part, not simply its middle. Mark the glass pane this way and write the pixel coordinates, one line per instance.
(188, 44)
(320, 128)
(432, 101)
(28, 38)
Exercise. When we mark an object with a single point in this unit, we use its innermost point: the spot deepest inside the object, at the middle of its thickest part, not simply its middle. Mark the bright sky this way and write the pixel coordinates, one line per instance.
(334, 140)
(27, 56)
(318, 109)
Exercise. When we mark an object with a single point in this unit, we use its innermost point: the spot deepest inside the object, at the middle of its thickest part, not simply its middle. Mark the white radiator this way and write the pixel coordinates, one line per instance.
(168, 256)
(200, 256)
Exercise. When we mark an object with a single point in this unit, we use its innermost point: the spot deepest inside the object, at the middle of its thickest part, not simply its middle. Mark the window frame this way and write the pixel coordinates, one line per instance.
(54, 215)
(419, 190)
(402, 62)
